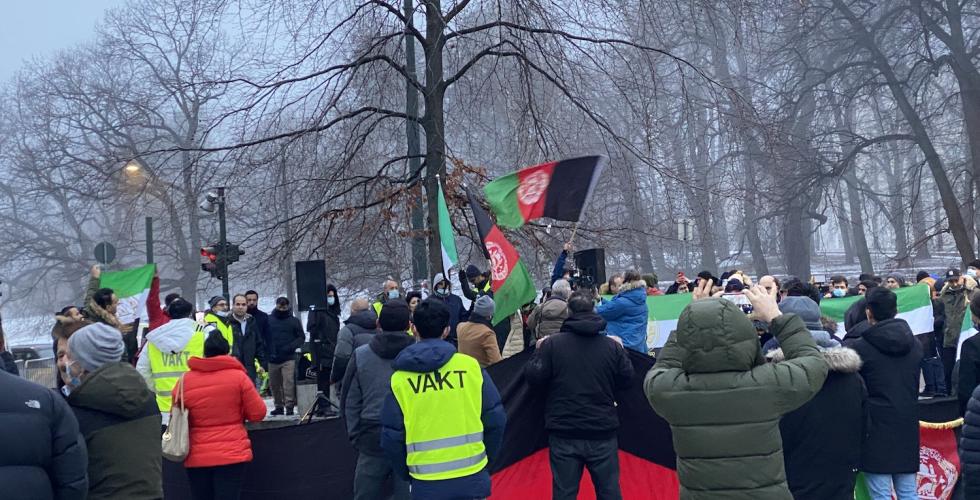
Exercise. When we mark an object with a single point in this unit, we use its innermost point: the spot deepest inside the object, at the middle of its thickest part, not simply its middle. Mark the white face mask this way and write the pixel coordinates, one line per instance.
(222, 314)
(331, 301)
(971, 272)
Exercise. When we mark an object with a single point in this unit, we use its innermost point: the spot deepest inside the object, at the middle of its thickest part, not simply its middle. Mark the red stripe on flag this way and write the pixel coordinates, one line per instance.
(503, 257)
(532, 189)
(939, 463)
(638, 480)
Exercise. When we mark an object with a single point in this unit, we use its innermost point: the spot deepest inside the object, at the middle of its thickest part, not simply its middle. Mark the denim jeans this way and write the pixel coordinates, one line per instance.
(880, 486)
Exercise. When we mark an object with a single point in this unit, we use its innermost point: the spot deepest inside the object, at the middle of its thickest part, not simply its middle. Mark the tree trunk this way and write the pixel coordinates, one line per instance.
(856, 222)
(796, 240)
(897, 209)
(957, 228)
(419, 259)
(434, 123)
(919, 228)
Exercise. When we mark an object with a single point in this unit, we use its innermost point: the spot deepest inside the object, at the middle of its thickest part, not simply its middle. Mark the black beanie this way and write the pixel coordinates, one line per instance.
(216, 344)
(394, 315)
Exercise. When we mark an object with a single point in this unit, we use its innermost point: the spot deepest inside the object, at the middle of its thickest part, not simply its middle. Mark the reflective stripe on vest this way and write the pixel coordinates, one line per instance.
(440, 448)
(167, 368)
(222, 327)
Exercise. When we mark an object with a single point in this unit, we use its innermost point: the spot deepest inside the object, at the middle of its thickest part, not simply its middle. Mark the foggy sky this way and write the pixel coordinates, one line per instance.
(30, 28)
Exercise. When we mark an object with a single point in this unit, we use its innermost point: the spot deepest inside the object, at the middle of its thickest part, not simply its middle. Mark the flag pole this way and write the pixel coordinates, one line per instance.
(445, 272)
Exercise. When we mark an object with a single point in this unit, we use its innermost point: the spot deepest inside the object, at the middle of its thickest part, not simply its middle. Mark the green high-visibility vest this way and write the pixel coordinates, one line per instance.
(168, 367)
(223, 327)
(439, 447)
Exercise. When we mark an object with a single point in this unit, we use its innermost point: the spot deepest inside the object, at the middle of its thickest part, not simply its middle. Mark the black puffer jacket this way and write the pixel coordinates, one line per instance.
(822, 439)
(970, 447)
(323, 326)
(285, 336)
(42, 455)
(581, 370)
(891, 358)
(119, 418)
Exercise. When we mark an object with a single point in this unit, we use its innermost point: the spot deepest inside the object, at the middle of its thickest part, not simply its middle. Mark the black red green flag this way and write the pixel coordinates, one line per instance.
(559, 190)
(647, 464)
(511, 283)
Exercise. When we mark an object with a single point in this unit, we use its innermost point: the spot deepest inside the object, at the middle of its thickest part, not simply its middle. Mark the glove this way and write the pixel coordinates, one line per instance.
(462, 279)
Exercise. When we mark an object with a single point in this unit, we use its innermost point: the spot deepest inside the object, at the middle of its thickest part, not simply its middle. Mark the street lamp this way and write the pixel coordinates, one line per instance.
(211, 201)
(133, 168)
(216, 200)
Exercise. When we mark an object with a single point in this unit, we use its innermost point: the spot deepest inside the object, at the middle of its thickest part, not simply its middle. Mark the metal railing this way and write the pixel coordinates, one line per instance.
(40, 371)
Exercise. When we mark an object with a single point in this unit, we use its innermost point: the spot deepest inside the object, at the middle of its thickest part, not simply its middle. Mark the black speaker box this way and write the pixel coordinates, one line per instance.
(592, 263)
(311, 285)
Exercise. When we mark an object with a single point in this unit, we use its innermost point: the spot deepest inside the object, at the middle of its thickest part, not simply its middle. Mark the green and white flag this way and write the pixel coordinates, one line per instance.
(446, 238)
(132, 287)
(914, 306)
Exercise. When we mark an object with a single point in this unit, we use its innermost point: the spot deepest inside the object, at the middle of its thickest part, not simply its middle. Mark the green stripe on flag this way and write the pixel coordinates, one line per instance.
(517, 290)
(446, 238)
(502, 196)
(128, 282)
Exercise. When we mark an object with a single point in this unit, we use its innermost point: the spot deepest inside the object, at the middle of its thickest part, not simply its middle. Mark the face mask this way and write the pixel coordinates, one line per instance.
(72, 380)
(331, 301)
(222, 314)
(393, 294)
(838, 292)
(971, 272)
(442, 292)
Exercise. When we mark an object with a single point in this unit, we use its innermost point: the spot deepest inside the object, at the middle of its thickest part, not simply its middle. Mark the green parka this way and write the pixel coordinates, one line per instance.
(723, 401)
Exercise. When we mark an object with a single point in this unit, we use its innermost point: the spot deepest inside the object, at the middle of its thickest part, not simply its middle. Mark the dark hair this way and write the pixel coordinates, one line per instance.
(282, 300)
(609, 282)
(64, 310)
(796, 288)
(251, 292)
(882, 303)
(869, 284)
(242, 295)
(103, 297)
(170, 298)
(631, 276)
(838, 279)
(866, 277)
(921, 275)
(215, 345)
(180, 309)
(975, 305)
(651, 280)
(431, 319)
(412, 294)
(581, 302)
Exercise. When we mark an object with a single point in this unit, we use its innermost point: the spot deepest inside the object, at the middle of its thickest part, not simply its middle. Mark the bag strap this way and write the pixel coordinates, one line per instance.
(181, 383)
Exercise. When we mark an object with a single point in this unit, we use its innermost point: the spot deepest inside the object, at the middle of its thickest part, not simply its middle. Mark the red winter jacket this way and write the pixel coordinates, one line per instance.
(219, 398)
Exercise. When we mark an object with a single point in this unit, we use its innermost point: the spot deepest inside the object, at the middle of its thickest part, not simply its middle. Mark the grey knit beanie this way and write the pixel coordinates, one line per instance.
(96, 345)
(483, 307)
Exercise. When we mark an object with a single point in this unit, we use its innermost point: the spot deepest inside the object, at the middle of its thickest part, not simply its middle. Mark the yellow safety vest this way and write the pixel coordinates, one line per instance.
(167, 368)
(439, 447)
(222, 326)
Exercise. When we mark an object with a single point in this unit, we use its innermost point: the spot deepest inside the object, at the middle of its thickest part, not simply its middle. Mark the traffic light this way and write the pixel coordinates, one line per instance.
(212, 266)
(233, 252)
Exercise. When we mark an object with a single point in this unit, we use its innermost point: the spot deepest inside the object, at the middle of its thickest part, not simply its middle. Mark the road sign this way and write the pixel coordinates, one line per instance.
(685, 229)
(105, 253)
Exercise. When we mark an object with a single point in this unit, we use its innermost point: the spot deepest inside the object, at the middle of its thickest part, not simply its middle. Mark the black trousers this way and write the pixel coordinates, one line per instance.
(949, 360)
(223, 482)
(569, 456)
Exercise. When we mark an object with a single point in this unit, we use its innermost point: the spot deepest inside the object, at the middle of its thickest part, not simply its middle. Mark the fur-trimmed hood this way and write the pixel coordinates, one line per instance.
(632, 285)
(840, 359)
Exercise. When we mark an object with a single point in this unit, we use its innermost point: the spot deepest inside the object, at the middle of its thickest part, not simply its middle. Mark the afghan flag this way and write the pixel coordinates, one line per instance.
(647, 463)
(558, 190)
(511, 283)
(939, 463)
(914, 306)
(132, 287)
(447, 240)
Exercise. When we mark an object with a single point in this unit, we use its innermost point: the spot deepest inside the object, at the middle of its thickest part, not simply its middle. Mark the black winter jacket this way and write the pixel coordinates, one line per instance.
(262, 322)
(8, 363)
(285, 336)
(42, 455)
(970, 448)
(581, 370)
(890, 356)
(969, 371)
(323, 326)
(822, 439)
(118, 416)
(249, 346)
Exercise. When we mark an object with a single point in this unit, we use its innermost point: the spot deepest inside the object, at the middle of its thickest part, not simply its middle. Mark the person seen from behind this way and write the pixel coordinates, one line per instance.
(626, 314)
(581, 370)
(547, 318)
(890, 355)
(476, 336)
(444, 458)
(219, 397)
(723, 401)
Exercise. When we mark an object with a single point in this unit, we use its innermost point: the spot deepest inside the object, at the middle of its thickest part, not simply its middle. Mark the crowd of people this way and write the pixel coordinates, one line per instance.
(747, 382)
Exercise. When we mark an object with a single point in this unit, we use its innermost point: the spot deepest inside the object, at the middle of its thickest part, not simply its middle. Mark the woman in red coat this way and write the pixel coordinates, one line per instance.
(219, 398)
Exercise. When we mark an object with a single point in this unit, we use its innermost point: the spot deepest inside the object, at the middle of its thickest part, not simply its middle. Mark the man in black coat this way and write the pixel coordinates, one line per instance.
(285, 336)
(890, 356)
(249, 343)
(42, 455)
(969, 365)
(323, 325)
(581, 369)
(261, 317)
(970, 447)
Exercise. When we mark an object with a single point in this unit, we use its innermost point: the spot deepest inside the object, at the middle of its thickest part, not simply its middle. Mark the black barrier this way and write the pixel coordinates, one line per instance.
(314, 460)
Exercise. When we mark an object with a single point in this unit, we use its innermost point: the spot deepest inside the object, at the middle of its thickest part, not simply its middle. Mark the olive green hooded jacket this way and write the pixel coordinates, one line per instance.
(723, 401)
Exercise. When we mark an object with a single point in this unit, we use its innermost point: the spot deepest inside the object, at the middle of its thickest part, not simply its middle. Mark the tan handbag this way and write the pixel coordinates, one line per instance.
(176, 440)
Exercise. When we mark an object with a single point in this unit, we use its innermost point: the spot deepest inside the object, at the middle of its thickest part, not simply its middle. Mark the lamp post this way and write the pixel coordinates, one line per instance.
(212, 200)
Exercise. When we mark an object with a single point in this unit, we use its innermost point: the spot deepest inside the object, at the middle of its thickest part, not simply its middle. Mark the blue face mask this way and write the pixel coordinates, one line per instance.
(393, 294)
(837, 292)
(442, 292)
(73, 381)
(331, 301)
